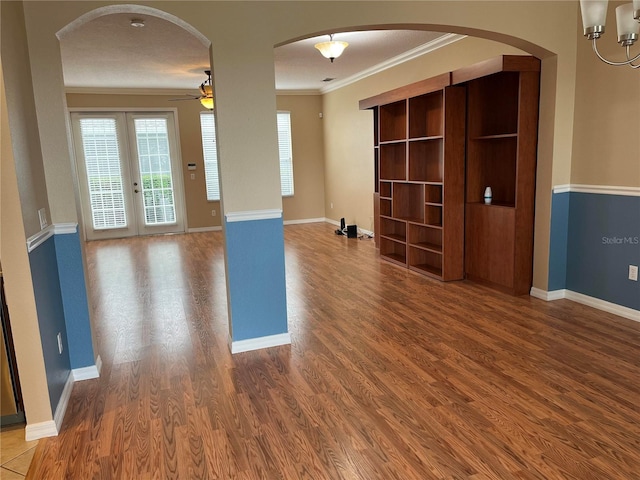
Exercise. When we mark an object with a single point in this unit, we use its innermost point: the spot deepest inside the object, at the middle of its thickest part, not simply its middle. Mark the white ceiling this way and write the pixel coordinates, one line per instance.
(108, 53)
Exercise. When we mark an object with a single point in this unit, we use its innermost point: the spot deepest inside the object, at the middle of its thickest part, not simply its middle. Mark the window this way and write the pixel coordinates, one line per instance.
(208, 128)
(286, 158)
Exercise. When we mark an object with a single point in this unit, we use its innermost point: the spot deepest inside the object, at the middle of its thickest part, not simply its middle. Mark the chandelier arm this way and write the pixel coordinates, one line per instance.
(608, 62)
(631, 64)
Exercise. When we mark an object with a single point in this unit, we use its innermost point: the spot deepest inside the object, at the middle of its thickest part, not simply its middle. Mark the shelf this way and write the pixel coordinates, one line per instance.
(407, 201)
(393, 121)
(426, 161)
(492, 164)
(433, 194)
(425, 261)
(493, 104)
(422, 139)
(433, 216)
(428, 269)
(393, 161)
(385, 207)
(496, 137)
(393, 229)
(385, 189)
(425, 237)
(429, 247)
(426, 115)
(493, 204)
(394, 251)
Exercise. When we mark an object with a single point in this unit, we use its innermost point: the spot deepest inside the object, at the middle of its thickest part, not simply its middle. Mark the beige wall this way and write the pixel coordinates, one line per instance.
(307, 134)
(19, 190)
(606, 140)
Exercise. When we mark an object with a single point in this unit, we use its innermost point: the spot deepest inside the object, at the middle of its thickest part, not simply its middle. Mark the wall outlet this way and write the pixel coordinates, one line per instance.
(59, 343)
(331, 204)
(42, 216)
(193, 176)
(213, 213)
(633, 273)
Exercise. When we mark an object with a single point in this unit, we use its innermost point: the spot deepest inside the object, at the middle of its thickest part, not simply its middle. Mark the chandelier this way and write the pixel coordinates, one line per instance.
(594, 16)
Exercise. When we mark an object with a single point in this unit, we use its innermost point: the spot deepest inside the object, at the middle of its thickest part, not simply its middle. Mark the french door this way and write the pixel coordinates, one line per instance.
(129, 173)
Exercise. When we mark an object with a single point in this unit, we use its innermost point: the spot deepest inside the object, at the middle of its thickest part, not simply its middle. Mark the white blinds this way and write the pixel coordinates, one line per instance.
(104, 175)
(208, 128)
(286, 158)
(152, 139)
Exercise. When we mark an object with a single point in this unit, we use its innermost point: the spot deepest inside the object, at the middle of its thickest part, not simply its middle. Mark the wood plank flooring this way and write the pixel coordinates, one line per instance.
(390, 375)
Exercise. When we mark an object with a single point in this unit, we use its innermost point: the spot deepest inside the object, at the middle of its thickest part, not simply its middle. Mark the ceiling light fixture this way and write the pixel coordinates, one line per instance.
(594, 17)
(137, 23)
(206, 89)
(333, 48)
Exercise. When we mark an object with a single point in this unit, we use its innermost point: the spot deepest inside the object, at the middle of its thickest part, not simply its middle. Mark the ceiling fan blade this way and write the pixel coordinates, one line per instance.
(189, 97)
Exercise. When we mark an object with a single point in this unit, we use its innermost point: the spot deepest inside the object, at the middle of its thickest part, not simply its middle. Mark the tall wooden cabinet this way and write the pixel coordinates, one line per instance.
(502, 125)
(419, 184)
(438, 144)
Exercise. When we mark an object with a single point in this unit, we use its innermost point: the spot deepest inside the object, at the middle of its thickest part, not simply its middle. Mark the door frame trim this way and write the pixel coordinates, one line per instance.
(125, 110)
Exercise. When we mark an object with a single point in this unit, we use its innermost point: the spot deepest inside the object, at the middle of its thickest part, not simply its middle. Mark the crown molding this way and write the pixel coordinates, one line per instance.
(132, 91)
(429, 47)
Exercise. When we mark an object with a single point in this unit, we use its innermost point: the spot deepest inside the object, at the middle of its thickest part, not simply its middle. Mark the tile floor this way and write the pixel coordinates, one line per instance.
(15, 453)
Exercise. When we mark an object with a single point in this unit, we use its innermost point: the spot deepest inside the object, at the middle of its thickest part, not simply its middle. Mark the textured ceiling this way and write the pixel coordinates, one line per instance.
(108, 53)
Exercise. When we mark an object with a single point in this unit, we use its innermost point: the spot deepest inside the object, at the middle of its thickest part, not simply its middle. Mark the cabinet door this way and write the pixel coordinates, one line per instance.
(490, 244)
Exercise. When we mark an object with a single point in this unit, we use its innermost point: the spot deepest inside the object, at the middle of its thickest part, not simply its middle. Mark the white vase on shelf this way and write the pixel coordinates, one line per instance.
(487, 195)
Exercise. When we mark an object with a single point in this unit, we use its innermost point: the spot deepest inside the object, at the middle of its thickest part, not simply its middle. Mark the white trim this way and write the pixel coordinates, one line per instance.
(598, 189)
(65, 228)
(61, 409)
(298, 92)
(121, 109)
(547, 296)
(593, 302)
(259, 343)
(36, 431)
(304, 220)
(34, 241)
(87, 373)
(614, 308)
(253, 215)
(204, 229)
(429, 47)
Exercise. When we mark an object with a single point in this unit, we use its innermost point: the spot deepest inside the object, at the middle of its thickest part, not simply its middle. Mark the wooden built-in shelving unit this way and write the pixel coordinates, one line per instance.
(438, 144)
(419, 185)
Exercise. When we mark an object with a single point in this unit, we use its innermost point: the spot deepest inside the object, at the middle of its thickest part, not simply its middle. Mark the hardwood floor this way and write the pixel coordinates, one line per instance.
(390, 375)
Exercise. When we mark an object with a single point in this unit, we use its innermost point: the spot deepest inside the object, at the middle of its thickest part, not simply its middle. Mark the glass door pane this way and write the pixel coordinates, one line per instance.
(154, 161)
(103, 173)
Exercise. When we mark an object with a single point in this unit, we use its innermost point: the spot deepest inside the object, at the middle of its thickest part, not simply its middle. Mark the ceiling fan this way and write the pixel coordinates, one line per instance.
(206, 90)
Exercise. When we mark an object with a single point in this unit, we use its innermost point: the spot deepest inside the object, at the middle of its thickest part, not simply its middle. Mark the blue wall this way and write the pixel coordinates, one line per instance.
(74, 299)
(48, 296)
(559, 238)
(256, 278)
(602, 239)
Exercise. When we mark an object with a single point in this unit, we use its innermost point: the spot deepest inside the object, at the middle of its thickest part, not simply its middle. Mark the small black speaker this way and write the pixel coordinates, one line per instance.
(352, 231)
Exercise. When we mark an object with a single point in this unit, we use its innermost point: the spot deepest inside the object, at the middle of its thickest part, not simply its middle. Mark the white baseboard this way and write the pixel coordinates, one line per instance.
(603, 305)
(36, 431)
(61, 409)
(204, 229)
(87, 373)
(304, 220)
(259, 343)
(547, 296)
